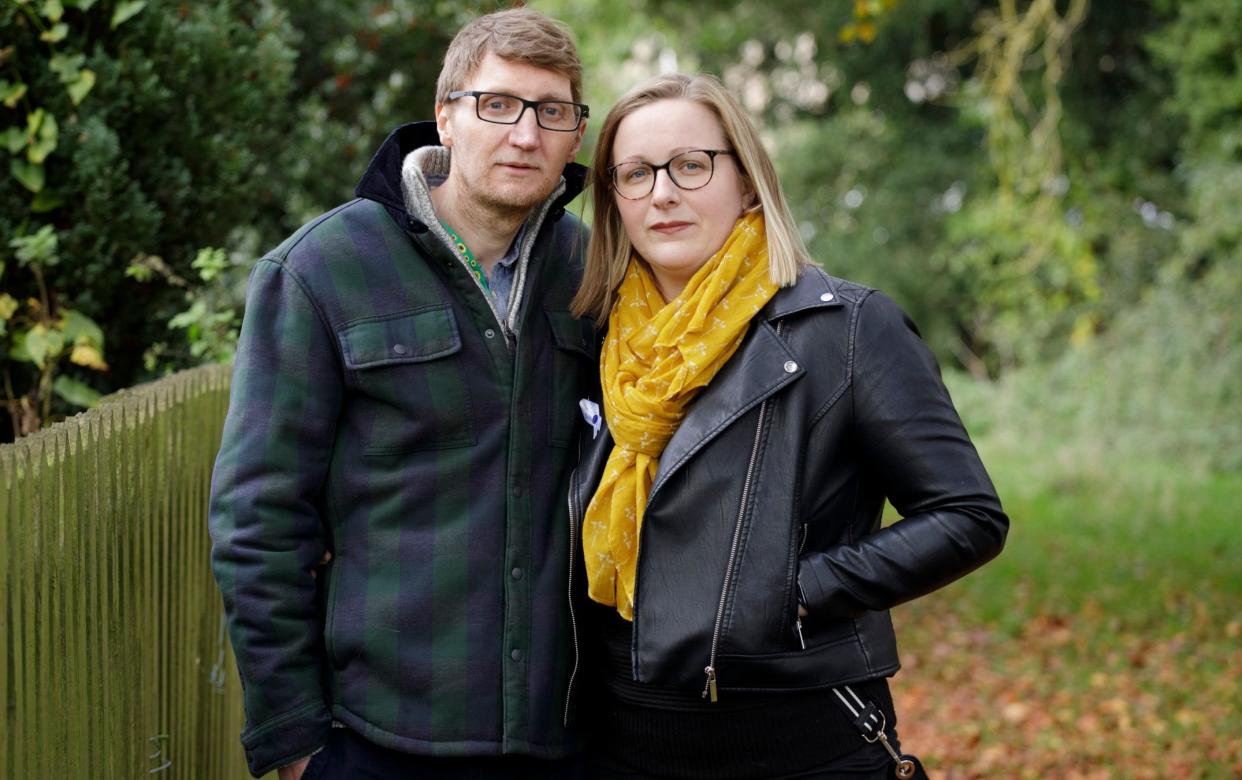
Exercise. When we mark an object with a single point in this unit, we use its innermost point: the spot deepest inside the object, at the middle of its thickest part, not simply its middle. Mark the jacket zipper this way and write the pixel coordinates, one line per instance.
(709, 690)
(519, 287)
(573, 621)
(709, 671)
(501, 322)
(798, 602)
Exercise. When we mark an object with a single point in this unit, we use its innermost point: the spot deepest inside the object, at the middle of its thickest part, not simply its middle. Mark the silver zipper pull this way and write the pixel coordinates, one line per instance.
(710, 688)
(798, 625)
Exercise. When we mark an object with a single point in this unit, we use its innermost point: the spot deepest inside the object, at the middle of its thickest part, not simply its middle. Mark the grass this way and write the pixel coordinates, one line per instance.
(1134, 546)
(1103, 643)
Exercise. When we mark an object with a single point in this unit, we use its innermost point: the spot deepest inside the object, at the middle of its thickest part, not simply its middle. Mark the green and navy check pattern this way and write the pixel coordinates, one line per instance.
(377, 411)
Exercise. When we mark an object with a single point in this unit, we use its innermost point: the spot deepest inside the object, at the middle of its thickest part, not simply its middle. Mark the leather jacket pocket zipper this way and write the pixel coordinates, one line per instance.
(805, 529)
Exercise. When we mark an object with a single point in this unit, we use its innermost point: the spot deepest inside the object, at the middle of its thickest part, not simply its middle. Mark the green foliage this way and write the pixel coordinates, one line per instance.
(1019, 176)
(874, 203)
(1159, 387)
(38, 248)
(43, 334)
(1018, 282)
(75, 392)
(135, 129)
(124, 11)
(362, 69)
(143, 131)
(212, 318)
(1051, 196)
(1203, 48)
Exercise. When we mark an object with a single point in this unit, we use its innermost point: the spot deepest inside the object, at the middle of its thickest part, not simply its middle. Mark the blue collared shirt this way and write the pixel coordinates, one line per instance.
(500, 279)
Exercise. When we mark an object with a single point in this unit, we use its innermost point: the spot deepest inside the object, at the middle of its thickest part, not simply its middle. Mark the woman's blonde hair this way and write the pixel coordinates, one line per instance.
(610, 249)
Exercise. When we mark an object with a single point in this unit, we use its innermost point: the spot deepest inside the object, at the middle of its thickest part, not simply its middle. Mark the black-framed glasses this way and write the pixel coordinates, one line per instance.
(499, 108)
(690, 170)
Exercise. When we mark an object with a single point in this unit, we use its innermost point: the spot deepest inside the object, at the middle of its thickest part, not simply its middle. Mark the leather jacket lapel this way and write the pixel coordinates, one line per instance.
(760, 367)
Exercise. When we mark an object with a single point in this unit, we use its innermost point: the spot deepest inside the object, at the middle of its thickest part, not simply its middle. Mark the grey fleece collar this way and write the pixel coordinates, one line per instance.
(434, 161)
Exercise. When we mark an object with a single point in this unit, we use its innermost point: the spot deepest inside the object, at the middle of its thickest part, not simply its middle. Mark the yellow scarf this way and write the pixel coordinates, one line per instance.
(655, 360)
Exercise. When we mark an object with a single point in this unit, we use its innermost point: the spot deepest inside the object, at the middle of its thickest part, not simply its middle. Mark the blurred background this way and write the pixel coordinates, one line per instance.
(1051, 188)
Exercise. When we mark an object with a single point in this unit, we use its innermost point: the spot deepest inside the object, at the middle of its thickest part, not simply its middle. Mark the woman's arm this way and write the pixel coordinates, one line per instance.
(912, 442)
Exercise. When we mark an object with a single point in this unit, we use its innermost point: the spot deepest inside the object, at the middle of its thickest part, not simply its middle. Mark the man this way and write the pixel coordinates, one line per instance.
(403, 404)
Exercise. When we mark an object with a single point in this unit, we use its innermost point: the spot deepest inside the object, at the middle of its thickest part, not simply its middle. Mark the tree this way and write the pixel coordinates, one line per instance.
(133, 131)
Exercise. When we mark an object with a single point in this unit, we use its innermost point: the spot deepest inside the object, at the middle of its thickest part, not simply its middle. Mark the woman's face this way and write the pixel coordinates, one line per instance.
(677, 230)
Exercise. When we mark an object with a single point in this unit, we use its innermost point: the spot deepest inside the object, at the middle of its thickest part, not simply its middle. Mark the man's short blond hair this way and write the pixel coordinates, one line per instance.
(518, 35)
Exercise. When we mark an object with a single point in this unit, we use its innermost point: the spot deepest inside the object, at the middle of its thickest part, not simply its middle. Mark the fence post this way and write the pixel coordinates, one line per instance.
(113, 662)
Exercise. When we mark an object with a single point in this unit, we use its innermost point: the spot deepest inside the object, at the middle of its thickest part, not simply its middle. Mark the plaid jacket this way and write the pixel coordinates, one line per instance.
(381, 411)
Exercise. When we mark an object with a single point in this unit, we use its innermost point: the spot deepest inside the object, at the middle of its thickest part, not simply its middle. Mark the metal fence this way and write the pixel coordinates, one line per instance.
(113, 657)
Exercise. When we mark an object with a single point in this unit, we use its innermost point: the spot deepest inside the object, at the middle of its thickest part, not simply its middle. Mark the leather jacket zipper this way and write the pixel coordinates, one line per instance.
(709, 690)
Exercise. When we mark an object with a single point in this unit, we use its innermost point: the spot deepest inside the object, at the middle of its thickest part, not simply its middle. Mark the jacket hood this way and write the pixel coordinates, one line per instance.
(382, 180)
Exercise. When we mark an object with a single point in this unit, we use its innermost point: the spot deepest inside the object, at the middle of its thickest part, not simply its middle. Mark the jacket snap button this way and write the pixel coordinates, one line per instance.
(790, 366)
(517, 573)
(398, 348)
(826, 297)
(516, 655)
(491, 334)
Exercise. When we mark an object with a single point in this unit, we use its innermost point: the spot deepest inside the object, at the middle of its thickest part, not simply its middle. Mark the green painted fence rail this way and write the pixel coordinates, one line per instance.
(113, 658)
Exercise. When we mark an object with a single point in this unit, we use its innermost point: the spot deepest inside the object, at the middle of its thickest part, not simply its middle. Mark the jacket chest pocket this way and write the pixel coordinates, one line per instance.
(411, 379)
(573, 360)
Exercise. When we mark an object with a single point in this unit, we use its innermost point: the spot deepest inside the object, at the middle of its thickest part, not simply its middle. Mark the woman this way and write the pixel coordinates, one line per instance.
(758, 413)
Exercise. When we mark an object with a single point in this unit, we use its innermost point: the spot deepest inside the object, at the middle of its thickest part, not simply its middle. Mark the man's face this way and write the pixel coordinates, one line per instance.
(506, 167)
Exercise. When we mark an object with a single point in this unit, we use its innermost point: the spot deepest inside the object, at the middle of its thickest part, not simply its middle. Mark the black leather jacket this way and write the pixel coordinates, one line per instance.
(777, 477)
